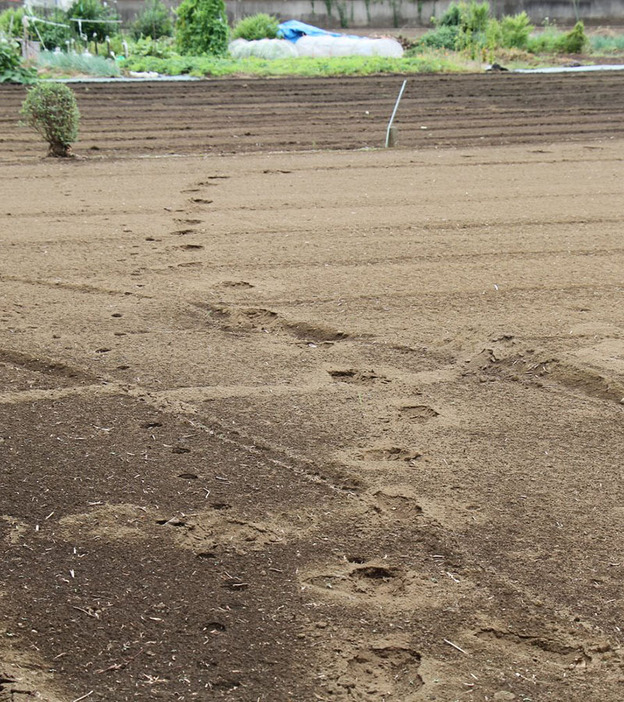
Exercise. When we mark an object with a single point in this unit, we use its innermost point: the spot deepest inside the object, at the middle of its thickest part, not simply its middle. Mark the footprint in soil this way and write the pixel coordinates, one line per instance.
(388, 453)
(386, 668)
(559, 647)
(204, 183)
(372, 578)
(418, 413)
(189, 221)
(234, 284)
(397, 504)
(353, 375)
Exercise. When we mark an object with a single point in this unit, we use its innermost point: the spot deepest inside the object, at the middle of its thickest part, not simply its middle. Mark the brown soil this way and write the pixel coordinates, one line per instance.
(315, 425)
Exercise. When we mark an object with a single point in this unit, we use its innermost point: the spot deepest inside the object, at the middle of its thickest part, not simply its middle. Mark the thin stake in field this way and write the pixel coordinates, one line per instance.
(390, 131)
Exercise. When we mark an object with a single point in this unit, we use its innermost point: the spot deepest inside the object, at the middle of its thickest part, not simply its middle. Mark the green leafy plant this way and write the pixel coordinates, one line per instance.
(53, 35)
(443, 37)
(103, 22)
(160, 48)
(573, 42)
(260, 26)
(202, 28)
(515, 31)
(51, 110)
(11, 22)
(11, 68)
(154, 21)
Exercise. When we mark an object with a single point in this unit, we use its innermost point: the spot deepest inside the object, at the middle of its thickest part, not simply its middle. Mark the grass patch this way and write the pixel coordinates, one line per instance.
(605, 45)
(71, 64)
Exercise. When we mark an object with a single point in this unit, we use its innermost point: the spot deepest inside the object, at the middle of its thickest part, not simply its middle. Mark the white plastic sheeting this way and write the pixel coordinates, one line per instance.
(317, 46)
(324, 46)
(262, 48)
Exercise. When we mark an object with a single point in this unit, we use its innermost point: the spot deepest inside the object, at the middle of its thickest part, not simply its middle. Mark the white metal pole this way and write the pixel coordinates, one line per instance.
(396, 107)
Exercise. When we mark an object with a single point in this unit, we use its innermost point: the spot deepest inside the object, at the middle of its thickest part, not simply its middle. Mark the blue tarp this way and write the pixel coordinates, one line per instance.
(292, 30)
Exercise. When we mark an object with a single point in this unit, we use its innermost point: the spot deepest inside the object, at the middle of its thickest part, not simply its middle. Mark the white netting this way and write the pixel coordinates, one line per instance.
(262, 48)
(324, 46)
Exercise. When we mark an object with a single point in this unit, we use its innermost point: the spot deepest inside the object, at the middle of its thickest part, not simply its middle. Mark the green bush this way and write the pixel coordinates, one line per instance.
(260, 26)
(52, 35)
(515, 31)
(574, 41)
(443, 37)
(154, 21)
(11, 22)
(105, 24)
(475, 16)
(202, 28)
(51, 110)
(11, 69)
(452, 17)
(545, 42)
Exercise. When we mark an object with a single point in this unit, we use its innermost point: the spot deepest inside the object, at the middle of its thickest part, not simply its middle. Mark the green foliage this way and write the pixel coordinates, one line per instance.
(51, 35)
(70, 64)
(52, 111)
(452, 17)
(607, 44)
(470, 16)
(11, 69)
(94, 10)
(515, 31)
(464, 26)
(154, 21)
(574, 41)
(202, 28)
(552, 41)
(428, 62)
(545, 42)
(474, 16)
(11, 22)
(160, 48)
(443, 37)
(494, 34)
(260, 26)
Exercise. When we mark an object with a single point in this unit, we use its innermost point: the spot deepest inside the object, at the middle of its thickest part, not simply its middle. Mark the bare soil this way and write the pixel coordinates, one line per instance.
(315, 425)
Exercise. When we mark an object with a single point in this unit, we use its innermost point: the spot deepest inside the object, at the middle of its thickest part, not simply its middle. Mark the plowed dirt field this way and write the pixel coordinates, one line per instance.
(285, 417)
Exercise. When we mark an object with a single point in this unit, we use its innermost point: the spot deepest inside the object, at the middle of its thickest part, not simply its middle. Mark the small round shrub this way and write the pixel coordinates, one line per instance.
(51, 110)
(154, 21)
(260, 26)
